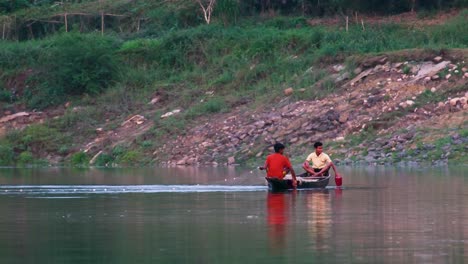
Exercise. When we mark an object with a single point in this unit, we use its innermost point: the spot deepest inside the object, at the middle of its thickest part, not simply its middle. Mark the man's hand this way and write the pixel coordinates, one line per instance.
(294, 183)
(261, 168)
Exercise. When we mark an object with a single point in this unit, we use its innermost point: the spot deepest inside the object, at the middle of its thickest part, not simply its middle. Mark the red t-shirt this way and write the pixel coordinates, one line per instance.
(275, 165)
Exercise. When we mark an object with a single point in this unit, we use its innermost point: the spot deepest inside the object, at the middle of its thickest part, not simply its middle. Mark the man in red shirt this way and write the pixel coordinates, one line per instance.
(276, 164)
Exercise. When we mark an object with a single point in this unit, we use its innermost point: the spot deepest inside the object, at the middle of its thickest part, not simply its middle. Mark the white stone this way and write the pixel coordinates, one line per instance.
(453, 102)
(448, 76)
(437, 59)
(173, 112)
(433, 89)
(463, 100)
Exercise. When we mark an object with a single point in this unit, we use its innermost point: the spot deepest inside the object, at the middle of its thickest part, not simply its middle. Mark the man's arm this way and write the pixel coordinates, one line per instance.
(293, 174)
(265, 166)
(335, 170)
(330, 164)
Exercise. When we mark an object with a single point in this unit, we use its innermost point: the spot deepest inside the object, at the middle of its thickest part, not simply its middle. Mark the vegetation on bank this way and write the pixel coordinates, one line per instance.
(203, 69)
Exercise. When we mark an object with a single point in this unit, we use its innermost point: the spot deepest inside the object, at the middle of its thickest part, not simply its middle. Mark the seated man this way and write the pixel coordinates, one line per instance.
(321, 163)
(277, 164)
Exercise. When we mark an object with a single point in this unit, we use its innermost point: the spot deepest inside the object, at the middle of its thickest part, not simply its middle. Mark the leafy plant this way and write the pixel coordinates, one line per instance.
(80, 159)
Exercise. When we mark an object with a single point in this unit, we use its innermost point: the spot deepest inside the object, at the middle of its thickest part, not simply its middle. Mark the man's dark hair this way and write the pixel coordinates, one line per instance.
(278, 147)
(318, 144)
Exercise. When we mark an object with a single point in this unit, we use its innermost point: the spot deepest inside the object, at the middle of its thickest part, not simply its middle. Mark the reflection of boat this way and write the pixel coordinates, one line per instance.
(275, 184)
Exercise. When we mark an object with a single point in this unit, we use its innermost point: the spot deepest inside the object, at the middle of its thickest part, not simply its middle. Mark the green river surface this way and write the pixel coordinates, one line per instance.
(227, 215)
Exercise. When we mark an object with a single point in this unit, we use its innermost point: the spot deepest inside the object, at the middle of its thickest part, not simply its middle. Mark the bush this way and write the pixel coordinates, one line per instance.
(6, 154)
(36, 138)
(79, 159)
(131, 157)
(103, 160)
(25, 158)
(73, 64)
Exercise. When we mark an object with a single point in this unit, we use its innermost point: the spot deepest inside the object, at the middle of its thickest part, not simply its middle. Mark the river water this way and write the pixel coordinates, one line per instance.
(226, 215)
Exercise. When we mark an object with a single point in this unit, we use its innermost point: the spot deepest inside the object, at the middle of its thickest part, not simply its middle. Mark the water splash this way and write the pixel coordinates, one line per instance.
(115, 189)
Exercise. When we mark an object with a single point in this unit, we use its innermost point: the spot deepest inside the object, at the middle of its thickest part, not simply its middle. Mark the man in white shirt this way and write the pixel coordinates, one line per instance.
(321, 162)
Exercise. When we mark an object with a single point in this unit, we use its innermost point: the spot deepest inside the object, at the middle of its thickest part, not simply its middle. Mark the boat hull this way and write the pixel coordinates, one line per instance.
(275, 184)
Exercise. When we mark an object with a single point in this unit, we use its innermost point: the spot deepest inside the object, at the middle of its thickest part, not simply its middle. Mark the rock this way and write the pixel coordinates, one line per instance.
(429, 69)
(397, 65)
(338, 67)
(454, 101)
(93, 160)
(231, 160)
(136, 119)
(341, 77)
(437, 59)
(465, 75)
(183, 161)
(406, 103)
(427, 79)
(463, 101)
(289, 91)
(383, 60)
(343, 117)
(173, 112)
(433, 90)
(357, 71)
(154, 100)
(191, 161)
(464, 69)
(448, 76)
(13, 116)
(435, 77)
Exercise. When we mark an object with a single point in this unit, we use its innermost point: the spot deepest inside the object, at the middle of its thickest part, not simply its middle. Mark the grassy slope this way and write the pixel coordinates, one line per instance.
(250, 63)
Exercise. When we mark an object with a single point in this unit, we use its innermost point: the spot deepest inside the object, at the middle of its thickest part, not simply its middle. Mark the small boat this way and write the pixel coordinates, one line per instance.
(275, 184)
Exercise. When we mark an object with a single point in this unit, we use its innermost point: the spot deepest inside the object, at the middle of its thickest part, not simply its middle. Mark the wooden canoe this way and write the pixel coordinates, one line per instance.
(275, 184)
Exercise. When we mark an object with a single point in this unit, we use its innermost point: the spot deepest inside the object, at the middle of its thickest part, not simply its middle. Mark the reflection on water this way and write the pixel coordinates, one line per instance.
(278, 209)
(319, 219)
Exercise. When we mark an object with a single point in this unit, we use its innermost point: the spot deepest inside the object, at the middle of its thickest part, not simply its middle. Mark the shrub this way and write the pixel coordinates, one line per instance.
(25, 158)
(73, 64)
(79, 159)
(131, 157)
(103, 160)
(6, 154)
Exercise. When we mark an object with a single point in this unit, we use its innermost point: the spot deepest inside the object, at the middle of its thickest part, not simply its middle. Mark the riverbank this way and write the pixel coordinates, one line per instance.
(216, 95)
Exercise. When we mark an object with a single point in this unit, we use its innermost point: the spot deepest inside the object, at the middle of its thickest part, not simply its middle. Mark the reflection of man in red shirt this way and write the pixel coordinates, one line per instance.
(277, 219)
(277, 163)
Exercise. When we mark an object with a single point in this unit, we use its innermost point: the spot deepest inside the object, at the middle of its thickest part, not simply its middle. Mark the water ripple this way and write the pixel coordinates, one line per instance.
(113, 189)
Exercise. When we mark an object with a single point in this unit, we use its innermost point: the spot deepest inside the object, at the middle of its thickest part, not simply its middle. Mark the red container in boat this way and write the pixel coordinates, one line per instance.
(338, 180)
